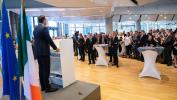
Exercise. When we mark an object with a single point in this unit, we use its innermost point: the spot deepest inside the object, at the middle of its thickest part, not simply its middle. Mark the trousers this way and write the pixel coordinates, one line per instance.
(44, 71)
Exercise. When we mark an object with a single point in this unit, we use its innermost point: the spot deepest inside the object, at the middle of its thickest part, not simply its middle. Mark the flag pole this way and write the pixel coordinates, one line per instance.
(21, 18)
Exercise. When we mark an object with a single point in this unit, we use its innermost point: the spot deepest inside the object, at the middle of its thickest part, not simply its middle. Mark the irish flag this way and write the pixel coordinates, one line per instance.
(28, 66)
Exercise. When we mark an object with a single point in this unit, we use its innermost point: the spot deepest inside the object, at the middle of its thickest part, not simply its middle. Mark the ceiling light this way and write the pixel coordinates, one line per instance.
(165, 17)
(70, 16)
(33, 9)
(161, 15)
(53, 9)
(99, 1)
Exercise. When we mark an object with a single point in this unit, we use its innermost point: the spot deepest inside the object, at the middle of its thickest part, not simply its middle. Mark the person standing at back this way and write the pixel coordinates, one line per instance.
(168, 44)
(128, 44)
(81, 47)
(42, 43)
(114, 45)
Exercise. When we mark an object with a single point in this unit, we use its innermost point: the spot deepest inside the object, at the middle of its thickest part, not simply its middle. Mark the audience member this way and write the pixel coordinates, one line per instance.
(128, 43)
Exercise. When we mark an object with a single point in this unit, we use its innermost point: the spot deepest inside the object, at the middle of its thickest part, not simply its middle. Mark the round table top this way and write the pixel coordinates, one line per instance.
(101, 45)
(157, 49)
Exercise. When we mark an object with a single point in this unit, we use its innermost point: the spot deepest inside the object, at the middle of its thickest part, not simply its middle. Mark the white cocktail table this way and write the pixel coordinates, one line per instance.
(101, 54)
(150, 54)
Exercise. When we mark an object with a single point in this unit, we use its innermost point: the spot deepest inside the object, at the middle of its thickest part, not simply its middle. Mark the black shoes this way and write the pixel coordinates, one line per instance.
(91, 63)
(51, 90)
(117, 65)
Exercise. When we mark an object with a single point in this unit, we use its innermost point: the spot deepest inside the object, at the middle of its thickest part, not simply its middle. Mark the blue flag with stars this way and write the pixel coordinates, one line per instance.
(9, 60)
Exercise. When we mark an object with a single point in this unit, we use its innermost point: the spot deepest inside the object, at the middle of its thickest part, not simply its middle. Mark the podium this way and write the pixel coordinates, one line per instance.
(150, 54)
(62, 63)
(101, 54)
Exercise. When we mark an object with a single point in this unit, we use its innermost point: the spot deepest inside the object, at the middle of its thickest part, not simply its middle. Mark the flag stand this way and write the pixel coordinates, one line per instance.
(21, 82)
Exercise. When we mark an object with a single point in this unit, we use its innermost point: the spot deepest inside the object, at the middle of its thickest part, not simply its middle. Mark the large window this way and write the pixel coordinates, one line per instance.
(124, 26)
(145, 25)
(86, 28)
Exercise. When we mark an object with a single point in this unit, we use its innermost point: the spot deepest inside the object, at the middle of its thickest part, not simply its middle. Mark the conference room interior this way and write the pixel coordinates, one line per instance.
(146, 49)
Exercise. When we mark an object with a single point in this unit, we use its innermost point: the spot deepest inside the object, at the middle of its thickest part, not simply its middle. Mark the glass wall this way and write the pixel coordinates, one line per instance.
(63, 29)
(86, 28)
(145, 25)
(124, 26)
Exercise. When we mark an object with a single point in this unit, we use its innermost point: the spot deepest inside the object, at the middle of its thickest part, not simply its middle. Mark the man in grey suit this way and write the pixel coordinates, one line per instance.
(42, 43)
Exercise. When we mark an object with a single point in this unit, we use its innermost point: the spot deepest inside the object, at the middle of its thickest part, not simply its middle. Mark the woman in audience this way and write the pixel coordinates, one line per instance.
(128, 45)
(122, 43)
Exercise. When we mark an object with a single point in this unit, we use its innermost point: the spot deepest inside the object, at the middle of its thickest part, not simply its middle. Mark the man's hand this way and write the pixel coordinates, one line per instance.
(57, 50)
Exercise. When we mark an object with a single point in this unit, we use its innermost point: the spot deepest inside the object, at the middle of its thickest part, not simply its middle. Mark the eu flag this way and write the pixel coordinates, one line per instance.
(9, 60)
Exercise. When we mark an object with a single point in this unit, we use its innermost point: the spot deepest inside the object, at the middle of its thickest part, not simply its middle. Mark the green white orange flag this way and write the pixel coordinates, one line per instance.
(28, 67)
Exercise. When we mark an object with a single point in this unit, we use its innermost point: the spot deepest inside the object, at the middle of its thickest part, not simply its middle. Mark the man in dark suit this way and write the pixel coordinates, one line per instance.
(76, 42)
(143, 39)
(94, 41)
(114, 45)
(42, 43)
(142, 42)
(167, 44)
(89, 45)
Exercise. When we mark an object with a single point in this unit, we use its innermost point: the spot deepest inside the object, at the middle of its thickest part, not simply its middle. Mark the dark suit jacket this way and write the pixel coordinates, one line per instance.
(94, 40)
(89, 44)
(143, 40)
(168, 42)
(115, 43)
(42, 41)
(106, 40)
(81, 42)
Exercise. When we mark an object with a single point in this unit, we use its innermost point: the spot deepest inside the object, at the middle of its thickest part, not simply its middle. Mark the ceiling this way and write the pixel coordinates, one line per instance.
(15, 4)
(91, 7)
(77, 10)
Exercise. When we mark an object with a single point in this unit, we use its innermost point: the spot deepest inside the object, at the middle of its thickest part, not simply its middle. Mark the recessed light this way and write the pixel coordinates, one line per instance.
(54, 9)
(33, 9)
(161, 15)
(165, 17)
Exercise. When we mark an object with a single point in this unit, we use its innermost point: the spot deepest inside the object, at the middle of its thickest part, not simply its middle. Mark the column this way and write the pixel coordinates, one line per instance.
(58, 31)
(109, 27)
(138, 25)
